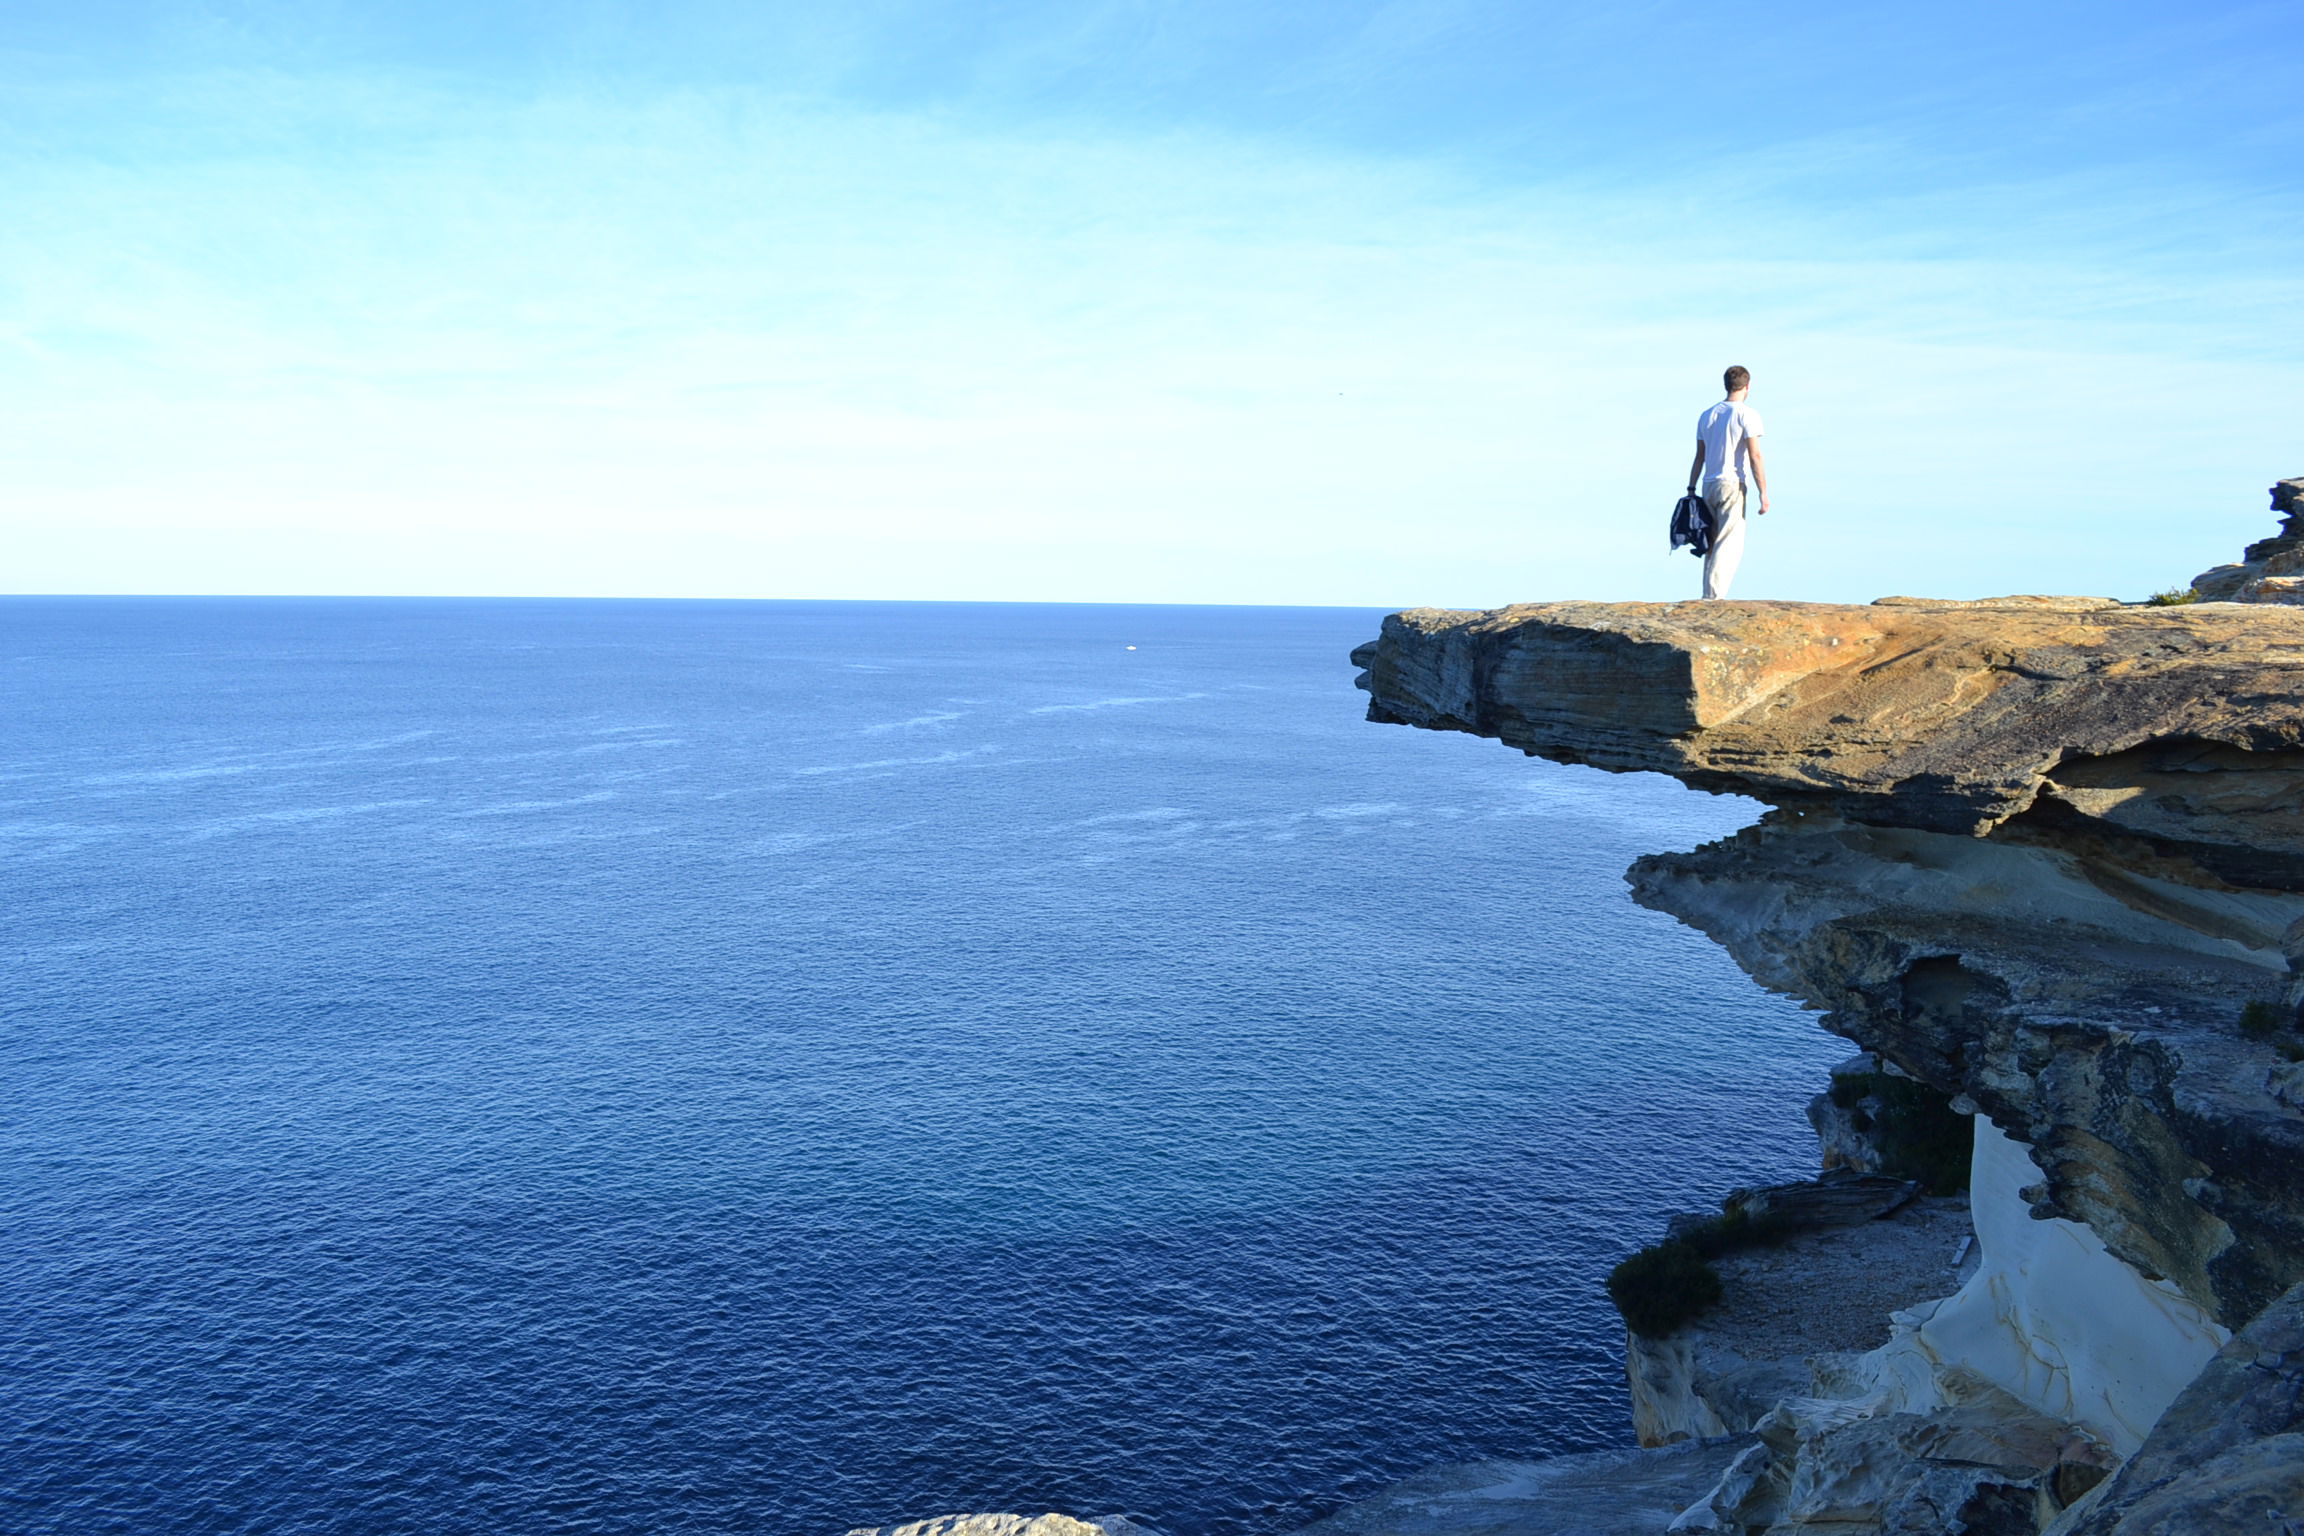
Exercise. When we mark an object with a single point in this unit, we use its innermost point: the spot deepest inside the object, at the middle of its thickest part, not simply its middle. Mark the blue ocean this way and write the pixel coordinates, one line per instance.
(767, 1068)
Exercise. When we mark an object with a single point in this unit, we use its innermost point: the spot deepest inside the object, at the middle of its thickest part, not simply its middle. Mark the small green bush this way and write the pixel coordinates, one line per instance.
(1662, 1289)
(2260, 1020)
(2174, 597)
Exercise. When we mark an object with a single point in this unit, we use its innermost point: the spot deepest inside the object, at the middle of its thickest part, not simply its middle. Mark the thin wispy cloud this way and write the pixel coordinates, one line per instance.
(899, 322)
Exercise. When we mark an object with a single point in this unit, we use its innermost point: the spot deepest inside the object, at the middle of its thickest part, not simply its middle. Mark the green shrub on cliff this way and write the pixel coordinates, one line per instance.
(1659, 1289)
(2174, 597)
(1663, 1287)
(1918, 1132)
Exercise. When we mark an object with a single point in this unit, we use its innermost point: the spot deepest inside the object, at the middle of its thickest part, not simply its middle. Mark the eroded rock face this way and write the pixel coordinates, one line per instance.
(1984, 866)
(2050, 1317)
(2089, 1008)
(1984, 1466)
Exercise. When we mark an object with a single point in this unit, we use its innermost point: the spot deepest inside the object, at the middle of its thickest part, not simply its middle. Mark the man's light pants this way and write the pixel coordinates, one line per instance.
(1726, 498)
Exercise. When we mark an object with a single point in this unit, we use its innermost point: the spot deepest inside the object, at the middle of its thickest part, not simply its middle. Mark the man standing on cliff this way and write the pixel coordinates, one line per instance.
(1728, 454)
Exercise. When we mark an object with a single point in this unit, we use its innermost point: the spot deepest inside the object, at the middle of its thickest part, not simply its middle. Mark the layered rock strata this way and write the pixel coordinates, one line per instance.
(2176, 727)
(2042, 857)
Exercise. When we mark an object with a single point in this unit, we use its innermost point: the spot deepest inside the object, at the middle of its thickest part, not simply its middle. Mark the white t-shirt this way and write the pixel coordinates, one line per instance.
(1723, 430)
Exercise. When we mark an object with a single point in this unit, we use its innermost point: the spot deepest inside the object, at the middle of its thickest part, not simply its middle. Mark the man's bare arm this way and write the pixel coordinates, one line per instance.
(1759, 471)
(1697, 468)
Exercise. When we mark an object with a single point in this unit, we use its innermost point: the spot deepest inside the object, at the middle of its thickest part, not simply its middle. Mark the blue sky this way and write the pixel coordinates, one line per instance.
(1366, 303)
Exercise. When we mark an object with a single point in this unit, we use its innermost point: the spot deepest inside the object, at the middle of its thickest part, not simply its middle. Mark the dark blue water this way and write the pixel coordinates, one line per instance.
(521, 1067)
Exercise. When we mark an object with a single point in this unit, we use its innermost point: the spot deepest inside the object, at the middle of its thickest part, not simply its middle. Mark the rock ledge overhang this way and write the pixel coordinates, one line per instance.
(2182, 725)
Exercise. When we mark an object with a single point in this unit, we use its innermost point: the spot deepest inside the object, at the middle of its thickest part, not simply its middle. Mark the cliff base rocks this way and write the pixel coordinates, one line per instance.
(1821, 1293)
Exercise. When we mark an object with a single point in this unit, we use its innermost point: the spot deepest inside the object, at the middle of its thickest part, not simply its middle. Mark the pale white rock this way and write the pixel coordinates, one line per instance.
(1009, 1525)
(2227, 1458)
(2050, 1317)
(1669, 1400)
(2053, 1354)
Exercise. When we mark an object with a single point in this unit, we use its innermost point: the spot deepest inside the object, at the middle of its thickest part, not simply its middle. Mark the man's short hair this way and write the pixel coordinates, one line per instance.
(1736, 378)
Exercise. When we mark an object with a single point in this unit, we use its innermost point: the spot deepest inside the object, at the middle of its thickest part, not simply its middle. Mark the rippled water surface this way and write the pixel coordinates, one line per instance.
(492, 1067)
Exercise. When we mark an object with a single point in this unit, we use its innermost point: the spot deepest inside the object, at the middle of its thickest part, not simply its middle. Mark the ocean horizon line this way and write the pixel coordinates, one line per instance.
(828, 602)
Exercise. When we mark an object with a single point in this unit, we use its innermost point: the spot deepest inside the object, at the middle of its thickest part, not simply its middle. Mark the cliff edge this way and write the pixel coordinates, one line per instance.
(2043, 859)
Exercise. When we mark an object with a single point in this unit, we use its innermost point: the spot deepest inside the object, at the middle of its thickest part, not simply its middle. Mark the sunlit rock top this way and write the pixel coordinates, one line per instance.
(2181, 724)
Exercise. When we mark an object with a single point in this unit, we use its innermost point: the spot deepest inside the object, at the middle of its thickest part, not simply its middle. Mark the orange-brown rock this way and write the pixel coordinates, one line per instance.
(2182, 725)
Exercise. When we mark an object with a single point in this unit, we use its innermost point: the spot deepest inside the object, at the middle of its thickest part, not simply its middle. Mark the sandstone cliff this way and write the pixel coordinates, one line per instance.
(2044, 859)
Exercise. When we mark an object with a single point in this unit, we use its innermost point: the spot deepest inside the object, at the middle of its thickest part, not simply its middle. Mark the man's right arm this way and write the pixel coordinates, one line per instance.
(1697, 468)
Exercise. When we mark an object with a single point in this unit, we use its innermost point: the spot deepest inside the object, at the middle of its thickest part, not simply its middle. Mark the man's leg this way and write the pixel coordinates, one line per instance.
(1727, 499)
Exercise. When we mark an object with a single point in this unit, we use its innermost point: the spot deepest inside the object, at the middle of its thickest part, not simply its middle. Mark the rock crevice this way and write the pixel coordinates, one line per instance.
(2175, 726)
